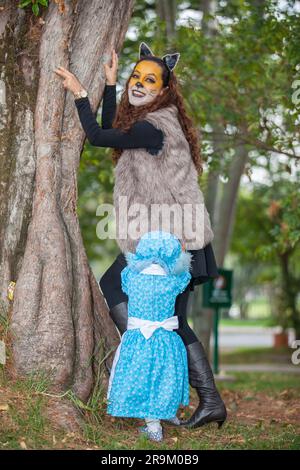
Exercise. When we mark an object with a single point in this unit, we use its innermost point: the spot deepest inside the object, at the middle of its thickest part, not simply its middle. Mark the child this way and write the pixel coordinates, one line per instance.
(149, 375)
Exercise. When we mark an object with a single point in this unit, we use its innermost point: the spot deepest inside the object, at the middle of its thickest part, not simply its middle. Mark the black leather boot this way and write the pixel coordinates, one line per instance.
(211, 407)
(119, 315)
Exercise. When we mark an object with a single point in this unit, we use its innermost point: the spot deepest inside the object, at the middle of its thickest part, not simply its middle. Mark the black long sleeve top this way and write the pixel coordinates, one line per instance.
(141, 135)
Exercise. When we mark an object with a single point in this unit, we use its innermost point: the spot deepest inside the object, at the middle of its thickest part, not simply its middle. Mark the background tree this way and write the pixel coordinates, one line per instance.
(271, 244)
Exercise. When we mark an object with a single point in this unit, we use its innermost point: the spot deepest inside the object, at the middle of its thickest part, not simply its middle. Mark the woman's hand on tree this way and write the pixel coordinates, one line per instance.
(112, 71)
(70, 81)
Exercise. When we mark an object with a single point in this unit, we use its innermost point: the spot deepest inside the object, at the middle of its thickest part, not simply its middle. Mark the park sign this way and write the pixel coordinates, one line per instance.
(217, 291)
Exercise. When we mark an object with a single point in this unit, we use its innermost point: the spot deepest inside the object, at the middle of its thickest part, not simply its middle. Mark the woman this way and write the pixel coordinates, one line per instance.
(157, 160)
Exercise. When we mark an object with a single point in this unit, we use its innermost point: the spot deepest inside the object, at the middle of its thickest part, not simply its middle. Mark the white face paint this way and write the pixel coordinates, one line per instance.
(140, 96)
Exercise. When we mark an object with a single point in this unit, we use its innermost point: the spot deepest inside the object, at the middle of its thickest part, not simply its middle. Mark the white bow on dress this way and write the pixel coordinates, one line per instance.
(147, 327)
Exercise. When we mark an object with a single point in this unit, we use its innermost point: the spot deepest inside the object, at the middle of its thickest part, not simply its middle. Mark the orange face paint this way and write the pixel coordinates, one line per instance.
(146, 78)
(149, 74)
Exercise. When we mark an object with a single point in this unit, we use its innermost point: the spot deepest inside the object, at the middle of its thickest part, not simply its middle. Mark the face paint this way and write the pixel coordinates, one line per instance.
(145, 83)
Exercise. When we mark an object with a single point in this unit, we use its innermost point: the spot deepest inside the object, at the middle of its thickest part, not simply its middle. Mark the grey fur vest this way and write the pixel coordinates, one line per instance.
(160, 192)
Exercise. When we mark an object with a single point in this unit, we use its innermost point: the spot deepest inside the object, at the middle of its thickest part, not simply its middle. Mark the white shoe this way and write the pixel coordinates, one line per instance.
(156, 436)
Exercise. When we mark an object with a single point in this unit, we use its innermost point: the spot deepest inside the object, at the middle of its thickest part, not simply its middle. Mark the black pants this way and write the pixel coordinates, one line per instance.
(110, 284)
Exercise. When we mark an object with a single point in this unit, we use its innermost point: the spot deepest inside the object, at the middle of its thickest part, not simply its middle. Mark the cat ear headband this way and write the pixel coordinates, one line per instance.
(170, 60)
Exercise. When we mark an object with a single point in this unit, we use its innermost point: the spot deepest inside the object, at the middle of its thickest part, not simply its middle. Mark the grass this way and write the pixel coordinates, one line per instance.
(263, 413)
(271, 382)
(255, 322)
(21, 411)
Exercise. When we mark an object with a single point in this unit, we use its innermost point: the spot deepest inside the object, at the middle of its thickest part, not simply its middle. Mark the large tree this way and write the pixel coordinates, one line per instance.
(58, 316)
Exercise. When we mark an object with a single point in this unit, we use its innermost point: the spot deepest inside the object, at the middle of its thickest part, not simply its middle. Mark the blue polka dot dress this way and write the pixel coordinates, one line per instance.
(150, 378)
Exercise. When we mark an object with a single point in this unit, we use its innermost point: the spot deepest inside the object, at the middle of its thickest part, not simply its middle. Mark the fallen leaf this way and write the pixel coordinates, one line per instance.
(23, 445)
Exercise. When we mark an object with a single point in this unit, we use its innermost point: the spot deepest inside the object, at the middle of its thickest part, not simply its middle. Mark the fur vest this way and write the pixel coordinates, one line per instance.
(160, 192)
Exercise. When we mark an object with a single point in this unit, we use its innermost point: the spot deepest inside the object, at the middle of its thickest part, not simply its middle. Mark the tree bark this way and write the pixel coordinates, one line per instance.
(203, 317)
(20, 37)
(227, 204)
(59, 315)
(166, 11)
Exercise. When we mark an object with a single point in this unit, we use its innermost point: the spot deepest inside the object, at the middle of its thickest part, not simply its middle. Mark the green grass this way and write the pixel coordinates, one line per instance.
(257, 405)
(257, 356)
(255, 322)
(273, 382)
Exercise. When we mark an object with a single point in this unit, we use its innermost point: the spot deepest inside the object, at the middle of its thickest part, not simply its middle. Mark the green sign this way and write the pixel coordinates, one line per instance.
(217, 292)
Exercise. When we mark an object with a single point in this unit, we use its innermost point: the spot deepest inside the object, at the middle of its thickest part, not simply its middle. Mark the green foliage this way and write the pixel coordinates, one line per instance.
(236, 81)
(95, 186)
(35, 382)
(266, 236)
(35, 5)
(267, 221)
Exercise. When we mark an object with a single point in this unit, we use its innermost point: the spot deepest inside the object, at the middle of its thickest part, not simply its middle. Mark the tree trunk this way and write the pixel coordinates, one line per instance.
(59, 315)
(223, 225)
(290, 290)
(20, 36)
(166, 11)
(227, 204)
(244, 307)
(203, 317)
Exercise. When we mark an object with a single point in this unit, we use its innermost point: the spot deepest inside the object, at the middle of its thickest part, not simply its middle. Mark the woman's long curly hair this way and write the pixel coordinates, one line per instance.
(128, 114)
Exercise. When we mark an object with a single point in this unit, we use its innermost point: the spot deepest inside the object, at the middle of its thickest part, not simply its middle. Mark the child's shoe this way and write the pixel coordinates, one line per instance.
(156, 436)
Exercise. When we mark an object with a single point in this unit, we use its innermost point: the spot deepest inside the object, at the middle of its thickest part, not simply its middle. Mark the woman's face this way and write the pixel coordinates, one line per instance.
(146, 83)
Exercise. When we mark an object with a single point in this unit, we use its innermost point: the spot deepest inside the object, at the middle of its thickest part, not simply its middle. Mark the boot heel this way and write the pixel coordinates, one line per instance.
(220, 423)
